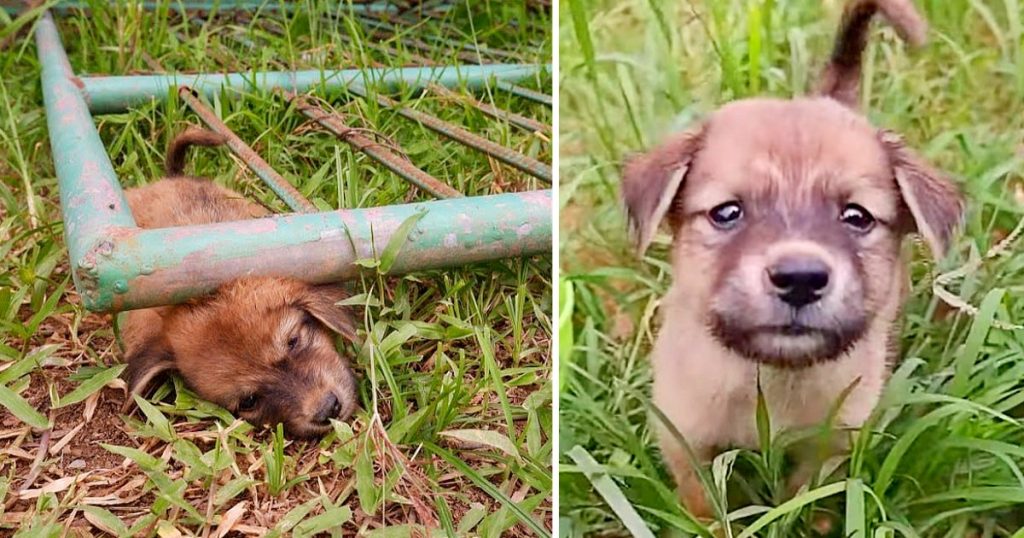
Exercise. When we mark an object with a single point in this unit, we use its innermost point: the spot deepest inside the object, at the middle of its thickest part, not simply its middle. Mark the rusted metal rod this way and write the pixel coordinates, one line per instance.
(510, 157)
(512, 118)
(376, 151)
(523, 92)
(284, 190)
(118, 93)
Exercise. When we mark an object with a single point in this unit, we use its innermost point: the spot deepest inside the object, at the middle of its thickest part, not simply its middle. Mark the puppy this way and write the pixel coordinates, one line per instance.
(261, 347)
(787, 217)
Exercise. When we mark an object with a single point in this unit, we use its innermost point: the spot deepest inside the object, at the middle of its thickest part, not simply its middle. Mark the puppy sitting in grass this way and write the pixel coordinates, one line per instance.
(788, 217)
(262, 347)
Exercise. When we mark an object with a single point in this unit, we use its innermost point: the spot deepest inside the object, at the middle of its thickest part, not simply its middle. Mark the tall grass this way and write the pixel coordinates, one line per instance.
(942, 455)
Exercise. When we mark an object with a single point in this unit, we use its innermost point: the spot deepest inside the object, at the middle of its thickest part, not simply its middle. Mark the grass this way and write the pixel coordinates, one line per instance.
(455, 435)
(942, 454)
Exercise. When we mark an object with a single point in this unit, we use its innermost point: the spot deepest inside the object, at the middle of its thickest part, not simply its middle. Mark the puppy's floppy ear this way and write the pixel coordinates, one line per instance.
(320, 301)
(145, 363)
(651, 181)
(935, 202)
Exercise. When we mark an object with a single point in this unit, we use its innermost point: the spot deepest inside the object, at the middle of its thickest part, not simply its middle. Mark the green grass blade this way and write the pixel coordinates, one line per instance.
(611, 493)
(21, 409)
(489, 488)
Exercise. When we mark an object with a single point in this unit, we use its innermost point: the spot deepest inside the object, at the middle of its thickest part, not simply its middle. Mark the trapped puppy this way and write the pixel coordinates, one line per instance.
(261, 347)
(787, 218)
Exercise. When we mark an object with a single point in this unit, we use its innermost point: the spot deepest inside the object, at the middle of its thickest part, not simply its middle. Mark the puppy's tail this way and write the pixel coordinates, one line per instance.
(174, 164)
(841, 79)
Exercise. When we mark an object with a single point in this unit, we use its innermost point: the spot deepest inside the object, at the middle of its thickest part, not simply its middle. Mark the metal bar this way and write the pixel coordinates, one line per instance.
(523, 92)
(91, 198)
(284, 190)
(117, 94)
(508, 156)
(155, 267)
(528, 124)
(376, 151)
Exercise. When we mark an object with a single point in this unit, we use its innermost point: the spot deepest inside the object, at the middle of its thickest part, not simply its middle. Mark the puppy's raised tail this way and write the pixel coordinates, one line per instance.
(174, 164)
(841, 79)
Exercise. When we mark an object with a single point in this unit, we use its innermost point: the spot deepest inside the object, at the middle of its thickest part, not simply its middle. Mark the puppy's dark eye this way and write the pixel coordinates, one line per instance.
(727, 215)
(857, 218)
(249, 402)
(293, 342)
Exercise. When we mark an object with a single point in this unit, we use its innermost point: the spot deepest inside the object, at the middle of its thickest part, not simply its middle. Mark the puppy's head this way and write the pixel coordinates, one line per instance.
(262, 348)
(787, 218)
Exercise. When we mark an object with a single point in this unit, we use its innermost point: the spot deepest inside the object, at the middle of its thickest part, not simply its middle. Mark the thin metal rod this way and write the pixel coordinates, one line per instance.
(116, 94)
(156, 267)
(284, 190)
(508, 156)
(523, 92)
(528, 124)
(376, 151)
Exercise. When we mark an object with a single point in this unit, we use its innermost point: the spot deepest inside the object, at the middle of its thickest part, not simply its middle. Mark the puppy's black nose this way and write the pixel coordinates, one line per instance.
(328, 409)
(799, 281)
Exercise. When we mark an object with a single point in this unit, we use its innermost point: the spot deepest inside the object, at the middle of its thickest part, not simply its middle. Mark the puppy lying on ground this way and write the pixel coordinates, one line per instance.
(788, 217)
(261, 347)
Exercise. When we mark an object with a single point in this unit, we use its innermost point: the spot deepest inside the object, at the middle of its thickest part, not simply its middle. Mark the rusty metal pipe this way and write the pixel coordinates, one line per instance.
(91, 198)
(119, 93)
(528, 124)
(284, 190)
(376, 151)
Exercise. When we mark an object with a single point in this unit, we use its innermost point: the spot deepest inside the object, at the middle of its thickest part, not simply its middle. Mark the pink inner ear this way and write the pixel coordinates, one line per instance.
(651, 181)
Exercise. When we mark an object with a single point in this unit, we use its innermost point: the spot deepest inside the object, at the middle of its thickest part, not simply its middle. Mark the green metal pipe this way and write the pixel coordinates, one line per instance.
(532, 95)
(284, 190)
(155, 267)
(107, 95)
(527, 124)
(91, 198)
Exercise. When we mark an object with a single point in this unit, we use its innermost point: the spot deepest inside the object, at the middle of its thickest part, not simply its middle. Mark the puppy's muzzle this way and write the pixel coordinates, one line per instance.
(798, 280)
(329, 408)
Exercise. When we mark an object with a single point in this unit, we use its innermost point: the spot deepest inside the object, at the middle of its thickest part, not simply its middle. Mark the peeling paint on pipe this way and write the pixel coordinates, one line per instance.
(156, 267)
(91, 198)
(398, 164)
(107, 95)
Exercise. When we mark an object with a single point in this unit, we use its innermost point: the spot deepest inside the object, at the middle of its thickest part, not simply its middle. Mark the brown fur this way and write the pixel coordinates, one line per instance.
(263, 336)
(793, 166)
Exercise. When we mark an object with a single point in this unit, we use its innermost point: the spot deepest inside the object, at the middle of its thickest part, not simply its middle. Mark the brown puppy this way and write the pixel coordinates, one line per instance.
(261, 347)
(787, 217)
